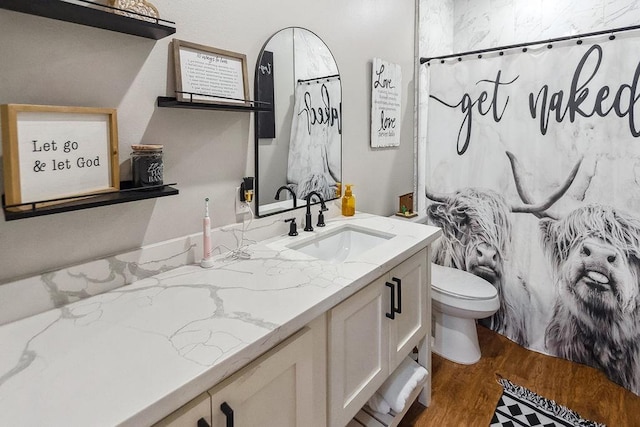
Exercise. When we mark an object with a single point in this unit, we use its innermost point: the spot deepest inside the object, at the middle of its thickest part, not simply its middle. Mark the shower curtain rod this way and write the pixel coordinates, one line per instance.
(548, 41)
(318, 78)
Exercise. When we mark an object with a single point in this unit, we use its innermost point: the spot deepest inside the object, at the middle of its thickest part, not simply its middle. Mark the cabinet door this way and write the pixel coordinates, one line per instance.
(358, 346)
(190, 414)
(411, 324)
(274, 390)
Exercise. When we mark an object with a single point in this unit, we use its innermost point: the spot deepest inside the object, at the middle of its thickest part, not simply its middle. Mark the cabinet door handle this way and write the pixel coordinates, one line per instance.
(392, 314)
(399, 282)
(228, 412)
(203, 423)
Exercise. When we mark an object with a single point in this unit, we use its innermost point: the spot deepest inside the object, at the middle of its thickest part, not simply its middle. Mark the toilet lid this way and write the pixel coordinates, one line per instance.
(459, 283)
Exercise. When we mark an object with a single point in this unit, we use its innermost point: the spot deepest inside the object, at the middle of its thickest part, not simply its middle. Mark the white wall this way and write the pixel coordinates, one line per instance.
(206, 152)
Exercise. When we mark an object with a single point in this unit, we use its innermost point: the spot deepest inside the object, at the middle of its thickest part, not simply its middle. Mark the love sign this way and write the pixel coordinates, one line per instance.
(386, 97)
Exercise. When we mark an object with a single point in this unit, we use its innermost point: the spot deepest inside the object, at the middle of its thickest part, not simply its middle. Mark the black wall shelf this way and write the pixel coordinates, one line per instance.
(126, 194)
(104, 18)
(171, 102)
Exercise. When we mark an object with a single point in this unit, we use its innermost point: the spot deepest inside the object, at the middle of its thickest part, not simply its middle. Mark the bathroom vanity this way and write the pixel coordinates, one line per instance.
(286, 337)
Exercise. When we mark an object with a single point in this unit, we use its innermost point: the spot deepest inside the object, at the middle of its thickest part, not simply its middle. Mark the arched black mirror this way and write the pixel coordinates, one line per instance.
(298, 144)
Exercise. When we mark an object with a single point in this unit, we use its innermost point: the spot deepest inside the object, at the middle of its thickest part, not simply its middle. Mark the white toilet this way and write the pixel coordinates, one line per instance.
(458, 298)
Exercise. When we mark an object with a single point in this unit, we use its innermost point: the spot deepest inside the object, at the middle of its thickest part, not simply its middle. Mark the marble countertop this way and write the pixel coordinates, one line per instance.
(134, 354)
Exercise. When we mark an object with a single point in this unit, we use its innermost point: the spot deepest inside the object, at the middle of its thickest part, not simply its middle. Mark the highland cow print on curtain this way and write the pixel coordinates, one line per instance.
(533, 173)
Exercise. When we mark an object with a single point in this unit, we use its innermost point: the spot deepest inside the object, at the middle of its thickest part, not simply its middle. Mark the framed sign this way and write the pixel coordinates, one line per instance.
(207, 74)
(54, 152)
(386, 103)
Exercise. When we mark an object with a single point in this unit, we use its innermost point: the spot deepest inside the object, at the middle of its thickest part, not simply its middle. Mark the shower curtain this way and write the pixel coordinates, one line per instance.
(533, 173)
(315, 145)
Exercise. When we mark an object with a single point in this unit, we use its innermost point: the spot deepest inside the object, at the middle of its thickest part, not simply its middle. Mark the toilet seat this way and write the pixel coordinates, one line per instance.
(463, 293)
(460, 284)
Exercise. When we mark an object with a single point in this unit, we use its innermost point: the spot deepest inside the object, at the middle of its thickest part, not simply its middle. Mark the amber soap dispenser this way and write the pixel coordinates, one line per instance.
(348, 202)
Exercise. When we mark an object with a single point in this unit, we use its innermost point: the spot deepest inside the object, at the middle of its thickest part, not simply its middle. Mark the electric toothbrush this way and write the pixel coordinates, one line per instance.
(206, 262)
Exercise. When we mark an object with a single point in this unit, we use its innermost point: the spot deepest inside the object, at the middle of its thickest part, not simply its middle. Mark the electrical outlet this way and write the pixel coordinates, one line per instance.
(241, 207)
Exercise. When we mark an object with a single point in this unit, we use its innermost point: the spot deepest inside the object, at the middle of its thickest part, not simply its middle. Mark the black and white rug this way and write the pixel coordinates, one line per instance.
(519, 406)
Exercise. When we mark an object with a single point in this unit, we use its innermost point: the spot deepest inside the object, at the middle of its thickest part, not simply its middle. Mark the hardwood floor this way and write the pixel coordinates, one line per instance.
(465, 395)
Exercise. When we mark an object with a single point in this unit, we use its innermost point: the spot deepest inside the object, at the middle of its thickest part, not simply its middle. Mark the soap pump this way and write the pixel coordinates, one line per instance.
(348, 202)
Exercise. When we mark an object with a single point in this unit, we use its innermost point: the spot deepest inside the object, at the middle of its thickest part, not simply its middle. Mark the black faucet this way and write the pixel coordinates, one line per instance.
(284, 187)
(307, 217)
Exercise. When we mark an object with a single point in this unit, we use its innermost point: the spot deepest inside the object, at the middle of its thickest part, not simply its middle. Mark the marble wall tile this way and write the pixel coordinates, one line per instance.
(472, 24)
(435, 27)
(620, 13)
(312, 57)
(480, 24)
(559, 19)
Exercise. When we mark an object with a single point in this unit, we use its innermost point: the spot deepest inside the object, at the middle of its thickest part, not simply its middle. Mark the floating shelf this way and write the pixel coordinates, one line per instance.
(126, 194)
(104, 18)
(170, 102)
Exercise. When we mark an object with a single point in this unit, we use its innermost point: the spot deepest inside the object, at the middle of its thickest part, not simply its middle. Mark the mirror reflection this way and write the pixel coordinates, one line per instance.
(299, 143)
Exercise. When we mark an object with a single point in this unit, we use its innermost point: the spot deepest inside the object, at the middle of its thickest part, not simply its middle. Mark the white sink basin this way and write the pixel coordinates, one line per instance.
(341, 244)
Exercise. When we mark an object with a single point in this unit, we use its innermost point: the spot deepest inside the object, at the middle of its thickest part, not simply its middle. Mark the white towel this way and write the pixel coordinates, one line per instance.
(397, 388)
(378, 404)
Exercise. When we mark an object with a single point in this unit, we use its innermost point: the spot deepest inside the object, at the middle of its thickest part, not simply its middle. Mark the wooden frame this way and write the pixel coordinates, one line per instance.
(219, 75)
(54, 152)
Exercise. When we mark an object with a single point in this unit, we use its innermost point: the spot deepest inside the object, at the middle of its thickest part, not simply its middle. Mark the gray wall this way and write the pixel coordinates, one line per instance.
(207, 152)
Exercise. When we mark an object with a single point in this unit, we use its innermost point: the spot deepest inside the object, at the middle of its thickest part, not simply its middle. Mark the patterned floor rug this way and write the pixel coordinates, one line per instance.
(519, 406)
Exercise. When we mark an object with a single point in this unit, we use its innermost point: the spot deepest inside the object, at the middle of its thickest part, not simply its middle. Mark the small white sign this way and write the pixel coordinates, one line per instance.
(54, 152)
(207, 74)
(386, 101)
(212, 74)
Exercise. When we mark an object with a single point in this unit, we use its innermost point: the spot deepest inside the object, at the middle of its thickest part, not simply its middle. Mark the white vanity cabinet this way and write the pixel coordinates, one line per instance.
(194, 414)
(274, 390)
(325, 373)
(371, 332)
(411, 325)
(283, 338)
(283, 387)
